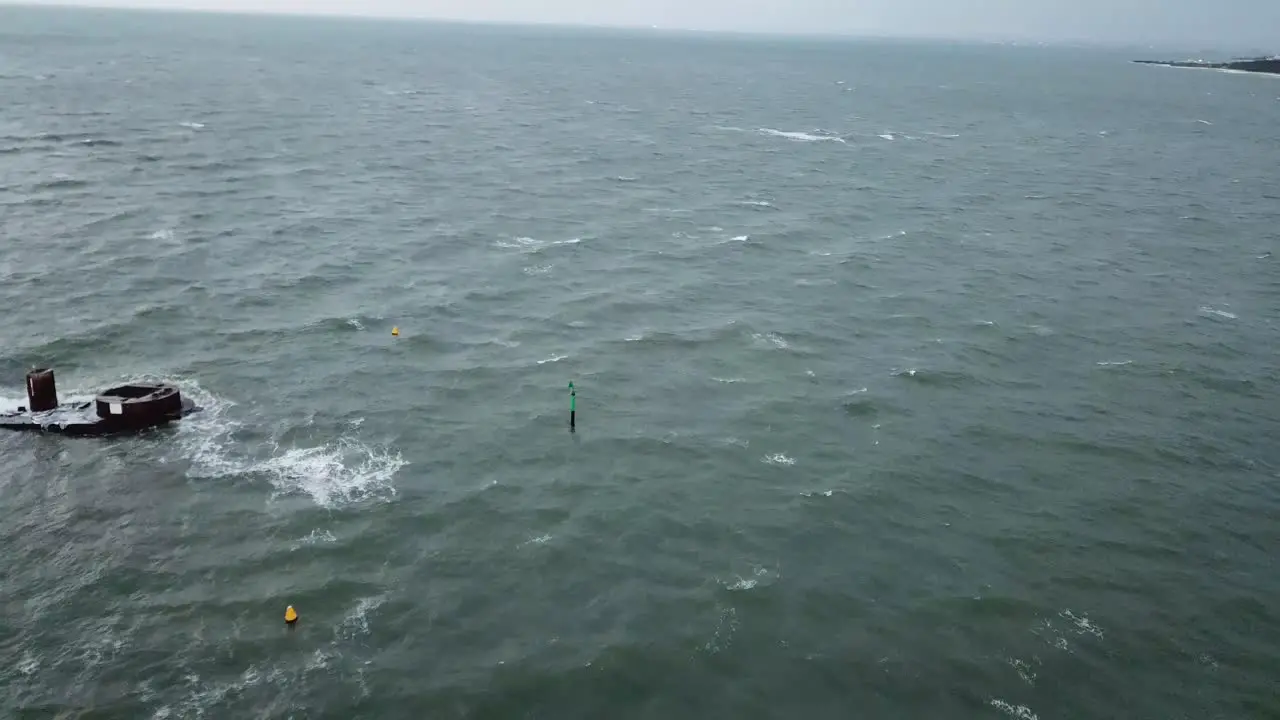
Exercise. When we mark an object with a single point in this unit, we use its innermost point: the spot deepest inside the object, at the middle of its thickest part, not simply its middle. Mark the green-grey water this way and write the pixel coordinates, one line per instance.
(914, 379)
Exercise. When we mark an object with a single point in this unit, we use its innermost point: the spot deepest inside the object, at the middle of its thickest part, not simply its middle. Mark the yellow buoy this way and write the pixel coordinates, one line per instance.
(290, 615)
(395, 331)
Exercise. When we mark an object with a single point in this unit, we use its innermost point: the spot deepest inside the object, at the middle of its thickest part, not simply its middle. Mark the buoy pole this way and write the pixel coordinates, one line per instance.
(573, 407)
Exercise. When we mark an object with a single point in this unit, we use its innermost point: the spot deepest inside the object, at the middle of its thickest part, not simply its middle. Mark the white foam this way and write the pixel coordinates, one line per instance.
(534, 245)
(756, 203)
(1082, 624)
(553, 359)
(337, 473)
(1021, 712)
(1204, 122)
(1219, 313)
(540, 540)
(823, 493)
(725, 627)
(10, 403)
(163, 234)
(192, 125)
(1114, 363)
(729, 380)
(356, 622)
(538, 269)
(1024, 670)
(801, 136)
(28, 664)
(779, 459)
(741, 583)
(772, 339)
(314, 538)
(520, 243)
(886, 136)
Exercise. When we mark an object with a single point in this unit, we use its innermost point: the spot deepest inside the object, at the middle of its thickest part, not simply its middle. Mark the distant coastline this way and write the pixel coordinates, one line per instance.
(1269, 65)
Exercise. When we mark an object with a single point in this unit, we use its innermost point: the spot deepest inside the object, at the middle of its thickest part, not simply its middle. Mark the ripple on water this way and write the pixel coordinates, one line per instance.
(890, 397)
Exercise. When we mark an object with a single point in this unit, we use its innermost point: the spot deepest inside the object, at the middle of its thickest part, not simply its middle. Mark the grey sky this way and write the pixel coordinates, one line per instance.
(1226, 24)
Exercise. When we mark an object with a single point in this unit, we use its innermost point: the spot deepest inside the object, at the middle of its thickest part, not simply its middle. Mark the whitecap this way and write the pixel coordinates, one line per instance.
(1218, 313)
(779, 459)
(801, 136)
(356, 622)
(529, 244)
(552, 359)
(740, 583)
(1083, 626)
(1024, 670)
(771, 338)
(314, 538)
(29, 663)
(520, 243)
(1021, 712)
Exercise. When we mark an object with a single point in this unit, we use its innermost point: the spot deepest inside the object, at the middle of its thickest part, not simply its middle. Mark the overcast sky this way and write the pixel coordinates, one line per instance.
(1227, 24)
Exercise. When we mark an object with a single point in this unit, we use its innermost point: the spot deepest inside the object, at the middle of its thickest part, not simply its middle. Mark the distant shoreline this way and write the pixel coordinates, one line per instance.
(1269, 65)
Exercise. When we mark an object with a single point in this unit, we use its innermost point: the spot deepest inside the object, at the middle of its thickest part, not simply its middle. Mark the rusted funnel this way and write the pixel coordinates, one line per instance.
(42, 392)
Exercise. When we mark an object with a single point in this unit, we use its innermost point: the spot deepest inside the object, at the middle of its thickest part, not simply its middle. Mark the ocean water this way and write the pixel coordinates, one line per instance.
(913, 379)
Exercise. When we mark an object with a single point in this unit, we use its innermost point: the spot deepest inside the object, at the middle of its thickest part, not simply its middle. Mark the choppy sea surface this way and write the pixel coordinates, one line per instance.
(914, 380)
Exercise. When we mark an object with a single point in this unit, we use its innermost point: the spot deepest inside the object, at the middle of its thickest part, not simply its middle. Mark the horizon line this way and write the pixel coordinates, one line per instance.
(850, 35)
